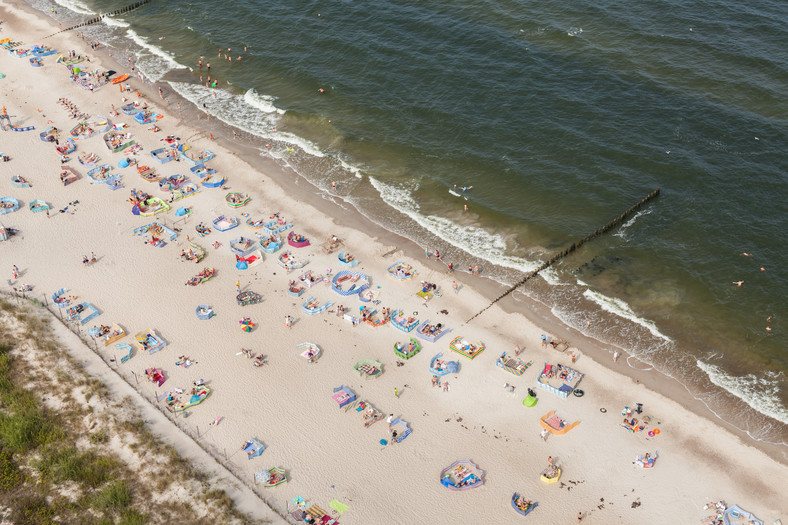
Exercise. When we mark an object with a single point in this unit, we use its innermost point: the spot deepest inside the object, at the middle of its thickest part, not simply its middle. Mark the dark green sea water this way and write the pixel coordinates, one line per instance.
(560, 115)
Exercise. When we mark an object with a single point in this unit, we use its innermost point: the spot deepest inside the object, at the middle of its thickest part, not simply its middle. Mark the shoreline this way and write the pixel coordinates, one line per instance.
(691, 392)
(480, 290)
(342, 213)
(700, 387)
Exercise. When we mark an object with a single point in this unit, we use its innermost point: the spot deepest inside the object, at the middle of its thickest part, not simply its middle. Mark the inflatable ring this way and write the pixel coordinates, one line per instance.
(603, 410)
(656, 431)
(651, 433)
(578, 393)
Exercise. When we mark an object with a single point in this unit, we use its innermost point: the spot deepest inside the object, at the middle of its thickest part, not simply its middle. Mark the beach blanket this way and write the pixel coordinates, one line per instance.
(555, 422)
(338, 506)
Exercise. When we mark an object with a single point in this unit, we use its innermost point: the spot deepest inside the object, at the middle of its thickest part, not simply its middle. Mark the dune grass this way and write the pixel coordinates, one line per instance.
(55, 470)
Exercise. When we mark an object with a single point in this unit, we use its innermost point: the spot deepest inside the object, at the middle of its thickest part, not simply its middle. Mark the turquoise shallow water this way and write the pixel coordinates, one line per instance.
(560, 117)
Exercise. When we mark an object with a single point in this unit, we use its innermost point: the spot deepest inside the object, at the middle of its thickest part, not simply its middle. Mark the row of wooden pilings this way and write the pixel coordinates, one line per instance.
(574, 246)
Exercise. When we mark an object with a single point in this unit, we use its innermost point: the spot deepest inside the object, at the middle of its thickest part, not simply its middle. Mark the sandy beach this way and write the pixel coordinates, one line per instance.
(287, 403)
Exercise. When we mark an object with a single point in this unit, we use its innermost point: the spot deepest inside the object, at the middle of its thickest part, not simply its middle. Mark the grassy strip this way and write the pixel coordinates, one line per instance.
(54, 470)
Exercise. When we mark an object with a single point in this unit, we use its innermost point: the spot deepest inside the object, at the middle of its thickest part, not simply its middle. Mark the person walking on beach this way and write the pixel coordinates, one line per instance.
(455, 287)
(544, 341)
(389, 419)
(288, 321)
(238, 286)
(15, 272)
(579, 517)
(544, 435)
(396, 392)
(615, 356)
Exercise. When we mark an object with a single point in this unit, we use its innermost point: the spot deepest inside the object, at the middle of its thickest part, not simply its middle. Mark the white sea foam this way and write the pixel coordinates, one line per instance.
(256, 114)
(622, 230)
(551, 276)
(306, 145)
(230, 109)
(76, 6)
(574, 31)
(161, 60)
(355, 170)
(114, 22)
(264, 103)
(622, 309)
(471, 239)
(761, 393)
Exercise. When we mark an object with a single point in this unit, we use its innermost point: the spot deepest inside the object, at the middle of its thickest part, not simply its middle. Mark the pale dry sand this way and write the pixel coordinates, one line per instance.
(287, 404)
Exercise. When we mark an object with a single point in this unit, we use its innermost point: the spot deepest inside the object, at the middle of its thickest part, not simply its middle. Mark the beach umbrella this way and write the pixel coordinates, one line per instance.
(76, 70)
(2, 75)
(135, 210)
(241, 265)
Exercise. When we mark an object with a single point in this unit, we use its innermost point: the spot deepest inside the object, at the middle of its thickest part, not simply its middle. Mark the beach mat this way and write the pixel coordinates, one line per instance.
(338, 506)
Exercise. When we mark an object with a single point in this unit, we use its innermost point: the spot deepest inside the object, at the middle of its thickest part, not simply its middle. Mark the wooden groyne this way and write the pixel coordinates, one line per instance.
(99, 18)
(574, 246)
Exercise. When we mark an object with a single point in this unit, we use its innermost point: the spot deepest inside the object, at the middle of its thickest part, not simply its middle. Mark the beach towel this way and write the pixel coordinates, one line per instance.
(338, 506)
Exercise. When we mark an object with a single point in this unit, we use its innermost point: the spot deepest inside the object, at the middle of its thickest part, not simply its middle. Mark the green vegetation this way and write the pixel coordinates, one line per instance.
(10, 475)
(57, 465)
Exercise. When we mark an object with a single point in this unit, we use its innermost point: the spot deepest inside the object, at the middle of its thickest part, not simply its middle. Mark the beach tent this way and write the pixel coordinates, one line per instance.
(180, 212)
(253, 448)
(124, 163)
(343, 395)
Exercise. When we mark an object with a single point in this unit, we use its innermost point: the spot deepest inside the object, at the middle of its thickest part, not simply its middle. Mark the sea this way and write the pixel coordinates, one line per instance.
(546, 120)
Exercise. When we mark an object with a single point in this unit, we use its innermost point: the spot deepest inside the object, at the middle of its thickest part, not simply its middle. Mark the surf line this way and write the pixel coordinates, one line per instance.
(99, 18)
(574, 246)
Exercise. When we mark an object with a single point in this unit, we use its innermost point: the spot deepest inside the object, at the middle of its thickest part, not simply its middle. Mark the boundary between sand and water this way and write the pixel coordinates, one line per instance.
(243, 146)
(168, 427)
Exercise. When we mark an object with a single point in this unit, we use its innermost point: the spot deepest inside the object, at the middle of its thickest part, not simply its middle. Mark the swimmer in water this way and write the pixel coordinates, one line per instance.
(738, 283)
(746, 254)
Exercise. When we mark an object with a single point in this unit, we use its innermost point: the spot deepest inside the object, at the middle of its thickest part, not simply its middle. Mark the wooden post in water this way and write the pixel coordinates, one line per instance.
(574, 246)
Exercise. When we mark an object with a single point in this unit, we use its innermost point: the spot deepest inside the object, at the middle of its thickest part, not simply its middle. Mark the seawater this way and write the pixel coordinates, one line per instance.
(560, 116)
